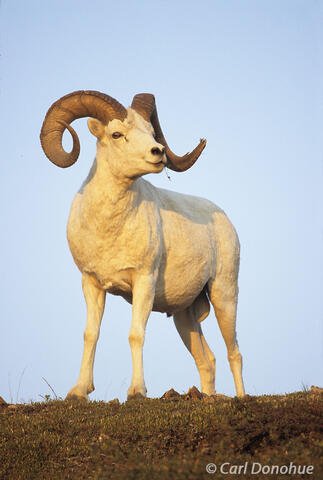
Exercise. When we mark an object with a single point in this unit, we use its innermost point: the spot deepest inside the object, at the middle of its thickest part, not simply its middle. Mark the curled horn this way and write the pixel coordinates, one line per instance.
(145, 105)
(83, 103)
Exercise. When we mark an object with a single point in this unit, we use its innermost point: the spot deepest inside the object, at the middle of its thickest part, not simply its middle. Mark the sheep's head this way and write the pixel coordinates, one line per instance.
(134, 133)
(128, 146)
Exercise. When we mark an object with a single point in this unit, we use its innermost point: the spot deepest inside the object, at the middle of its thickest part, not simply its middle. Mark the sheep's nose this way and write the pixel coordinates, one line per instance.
(158, 151)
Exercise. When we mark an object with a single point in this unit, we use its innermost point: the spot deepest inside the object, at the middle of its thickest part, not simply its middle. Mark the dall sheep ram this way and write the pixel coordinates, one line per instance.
(159, 250)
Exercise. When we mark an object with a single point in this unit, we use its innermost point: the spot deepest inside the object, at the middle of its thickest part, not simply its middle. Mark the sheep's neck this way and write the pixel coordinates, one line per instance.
(107, 195)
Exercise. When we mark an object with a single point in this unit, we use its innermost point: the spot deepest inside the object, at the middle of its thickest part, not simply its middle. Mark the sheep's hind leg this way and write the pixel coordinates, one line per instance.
(223, 294)
(190, 331)
(142, 301)
(95, 301)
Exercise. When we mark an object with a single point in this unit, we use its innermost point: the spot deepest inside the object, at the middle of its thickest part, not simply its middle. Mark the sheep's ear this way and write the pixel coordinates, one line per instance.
(96, 128)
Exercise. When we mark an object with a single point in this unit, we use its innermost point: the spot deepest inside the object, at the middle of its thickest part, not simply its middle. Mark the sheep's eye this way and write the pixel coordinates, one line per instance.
(117, 135)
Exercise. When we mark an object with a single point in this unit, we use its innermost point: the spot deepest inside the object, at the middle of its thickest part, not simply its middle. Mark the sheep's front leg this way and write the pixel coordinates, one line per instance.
(95, 301)
(142, 301)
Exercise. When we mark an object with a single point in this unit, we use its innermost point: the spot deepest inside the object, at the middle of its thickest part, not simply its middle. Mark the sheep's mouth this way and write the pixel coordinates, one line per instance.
(162, 161)
(156, 163)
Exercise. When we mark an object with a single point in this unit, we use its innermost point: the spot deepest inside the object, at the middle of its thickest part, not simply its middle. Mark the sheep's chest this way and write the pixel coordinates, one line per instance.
(112, 250)
(110, 262)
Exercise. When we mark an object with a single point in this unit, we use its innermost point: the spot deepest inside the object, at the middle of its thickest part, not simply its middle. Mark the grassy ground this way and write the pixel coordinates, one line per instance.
(157, 439)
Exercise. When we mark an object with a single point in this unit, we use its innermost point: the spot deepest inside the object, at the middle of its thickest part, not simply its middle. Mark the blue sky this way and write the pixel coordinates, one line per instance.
(247, 75)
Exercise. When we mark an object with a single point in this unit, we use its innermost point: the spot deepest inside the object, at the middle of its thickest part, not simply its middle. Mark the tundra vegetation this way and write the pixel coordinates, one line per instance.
(174, 437)
(159, 250)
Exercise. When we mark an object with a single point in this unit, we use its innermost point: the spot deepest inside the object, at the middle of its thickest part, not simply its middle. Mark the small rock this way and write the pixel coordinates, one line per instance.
(171, 395)
(316, 389)
(194, 394)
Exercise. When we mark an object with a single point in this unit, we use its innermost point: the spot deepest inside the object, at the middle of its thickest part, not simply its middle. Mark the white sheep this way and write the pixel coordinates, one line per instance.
(159, 250)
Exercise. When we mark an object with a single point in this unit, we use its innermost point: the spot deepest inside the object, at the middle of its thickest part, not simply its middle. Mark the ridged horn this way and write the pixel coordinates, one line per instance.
(83, 103)
(145, 105)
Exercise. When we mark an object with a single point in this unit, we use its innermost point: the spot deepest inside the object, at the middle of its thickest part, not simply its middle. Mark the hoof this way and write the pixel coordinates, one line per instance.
(136, 396)
(171, 395)
(136, 392)
(77, 394)
(71, 397)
